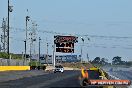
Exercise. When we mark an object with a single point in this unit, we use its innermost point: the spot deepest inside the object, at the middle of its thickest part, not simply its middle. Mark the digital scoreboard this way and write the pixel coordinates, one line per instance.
(65, 44)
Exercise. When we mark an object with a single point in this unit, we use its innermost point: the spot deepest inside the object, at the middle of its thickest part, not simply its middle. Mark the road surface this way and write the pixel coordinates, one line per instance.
(51, 80)
(66, 79)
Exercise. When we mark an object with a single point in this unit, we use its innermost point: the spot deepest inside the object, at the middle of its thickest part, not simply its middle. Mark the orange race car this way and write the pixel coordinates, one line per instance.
(99, 78)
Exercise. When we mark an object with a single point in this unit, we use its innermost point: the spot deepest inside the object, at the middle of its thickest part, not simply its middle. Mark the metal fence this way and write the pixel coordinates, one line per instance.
(13, 62)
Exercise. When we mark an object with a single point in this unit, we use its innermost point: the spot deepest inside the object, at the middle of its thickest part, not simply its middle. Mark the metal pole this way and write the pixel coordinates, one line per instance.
(25, 50)
(39, 49)
(47, 54)
(0, 48)
(54, 55)
(26, 40)
(27, 19)
(23, 58)
(30, 44)
(8, 30)
(87, 57)
(81, 53)
(4, 35)
(30, 51)
(26, 28)
(82, 50)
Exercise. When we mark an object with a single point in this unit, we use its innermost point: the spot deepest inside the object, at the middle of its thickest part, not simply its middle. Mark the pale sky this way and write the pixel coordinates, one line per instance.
(85, 17)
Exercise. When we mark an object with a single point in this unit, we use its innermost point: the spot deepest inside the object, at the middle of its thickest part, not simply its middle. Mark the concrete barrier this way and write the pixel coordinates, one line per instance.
(51, 68)
(68, 68)
(14, 68)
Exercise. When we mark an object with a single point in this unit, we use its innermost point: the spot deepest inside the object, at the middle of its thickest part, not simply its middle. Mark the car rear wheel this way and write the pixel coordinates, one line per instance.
(83, 82)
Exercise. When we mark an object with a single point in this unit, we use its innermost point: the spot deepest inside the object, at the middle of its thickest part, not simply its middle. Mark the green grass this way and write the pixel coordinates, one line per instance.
(34, 63)
(13, 56)
(4, 55)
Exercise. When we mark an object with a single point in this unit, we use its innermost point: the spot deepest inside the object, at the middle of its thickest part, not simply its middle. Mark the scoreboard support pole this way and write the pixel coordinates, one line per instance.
(54, 50)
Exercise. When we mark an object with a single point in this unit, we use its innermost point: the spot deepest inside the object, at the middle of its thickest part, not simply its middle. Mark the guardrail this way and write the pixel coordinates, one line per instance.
(114, 77)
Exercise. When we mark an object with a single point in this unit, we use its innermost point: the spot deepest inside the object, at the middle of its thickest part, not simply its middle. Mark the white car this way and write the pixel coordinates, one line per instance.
(59, 69)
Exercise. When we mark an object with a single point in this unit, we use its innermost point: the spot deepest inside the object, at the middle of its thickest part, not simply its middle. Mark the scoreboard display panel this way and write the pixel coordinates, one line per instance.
(65, 50)
(71, 45)
(62, 39)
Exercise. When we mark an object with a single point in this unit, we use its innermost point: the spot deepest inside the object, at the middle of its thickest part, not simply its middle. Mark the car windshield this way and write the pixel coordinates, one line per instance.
(59, 66)
(93, 74)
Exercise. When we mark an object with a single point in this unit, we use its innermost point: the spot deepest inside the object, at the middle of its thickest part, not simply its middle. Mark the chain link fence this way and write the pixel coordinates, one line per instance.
(13, 62)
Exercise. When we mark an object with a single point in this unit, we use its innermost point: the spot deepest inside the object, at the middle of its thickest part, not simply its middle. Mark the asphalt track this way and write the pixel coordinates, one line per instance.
(51, 80)
(66, 79)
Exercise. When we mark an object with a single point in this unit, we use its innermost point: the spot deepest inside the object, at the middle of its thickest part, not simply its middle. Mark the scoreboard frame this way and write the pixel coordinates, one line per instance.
(62, 39)
(65, 44)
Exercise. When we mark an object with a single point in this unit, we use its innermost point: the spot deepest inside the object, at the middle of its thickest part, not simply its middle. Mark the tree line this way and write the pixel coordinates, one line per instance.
(117, 60)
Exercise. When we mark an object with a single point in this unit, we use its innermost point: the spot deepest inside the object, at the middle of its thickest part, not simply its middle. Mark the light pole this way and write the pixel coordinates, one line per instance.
(53, 46)
(27, 19)
(87, 57)
(8, 29)
(47, 54)
(31, 41)
(25, 51)
(39, 49)
(30, 51)
(9, 10)
(87, 53)
(81, 49)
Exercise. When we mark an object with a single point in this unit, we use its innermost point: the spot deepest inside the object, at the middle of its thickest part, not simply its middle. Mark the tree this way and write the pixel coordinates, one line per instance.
(103, 61)
(129, 63)
(96, 60)
(116, 60)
